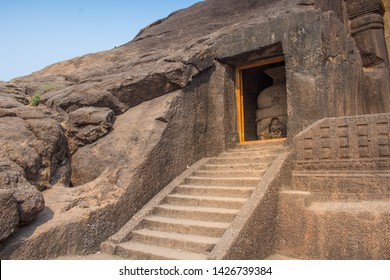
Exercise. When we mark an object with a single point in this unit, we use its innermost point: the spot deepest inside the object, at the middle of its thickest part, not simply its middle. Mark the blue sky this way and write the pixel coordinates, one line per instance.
(37, 33)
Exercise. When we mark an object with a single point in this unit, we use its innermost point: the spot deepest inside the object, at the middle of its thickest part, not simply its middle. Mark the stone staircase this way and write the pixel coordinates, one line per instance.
(190, 216)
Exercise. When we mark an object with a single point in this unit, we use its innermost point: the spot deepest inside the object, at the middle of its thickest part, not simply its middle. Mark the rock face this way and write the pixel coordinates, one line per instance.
(121, 124)
(121, 148)
(88, 124)
(9, 214)
(29, 200)
(33, 155)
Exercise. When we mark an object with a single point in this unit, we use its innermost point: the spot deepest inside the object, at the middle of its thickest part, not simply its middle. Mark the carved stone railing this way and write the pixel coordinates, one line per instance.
(349, 155)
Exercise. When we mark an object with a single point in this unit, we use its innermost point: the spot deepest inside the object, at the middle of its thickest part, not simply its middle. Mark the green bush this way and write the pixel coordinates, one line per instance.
(50, 87)
(35, 99)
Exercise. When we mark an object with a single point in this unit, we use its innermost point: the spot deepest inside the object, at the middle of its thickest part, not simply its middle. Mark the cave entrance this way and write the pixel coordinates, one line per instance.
(262, 101)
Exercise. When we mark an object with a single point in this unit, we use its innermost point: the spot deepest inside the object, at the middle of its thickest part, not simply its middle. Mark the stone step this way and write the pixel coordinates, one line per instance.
(250, 151)
(140, 251)
(245, 160)
(193, 243)
(203, 228)
(196, 213)
(235, 167)
(230, 174)
(243, 192)
(261, 145)
(190, 219)
(205, 201)
(225, 182)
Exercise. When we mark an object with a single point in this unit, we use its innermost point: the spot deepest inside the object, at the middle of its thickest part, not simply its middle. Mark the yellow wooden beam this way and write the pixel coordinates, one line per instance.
(240, 105)
(263, 141)
(262, 63)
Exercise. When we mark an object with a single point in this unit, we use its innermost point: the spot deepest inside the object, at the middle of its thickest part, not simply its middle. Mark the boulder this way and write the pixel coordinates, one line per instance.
(9, 216)
(29, 200)
(88, 124)
(12, 96)
(16, 143)
(34, 156)
(38, 146)
(126, 145)
(30, 203)
(7, 101)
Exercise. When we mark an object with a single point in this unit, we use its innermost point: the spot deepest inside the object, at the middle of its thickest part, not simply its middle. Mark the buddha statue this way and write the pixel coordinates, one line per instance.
(271, 117)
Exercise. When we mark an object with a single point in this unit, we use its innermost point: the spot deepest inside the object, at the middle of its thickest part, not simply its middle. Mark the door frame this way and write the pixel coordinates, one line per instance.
(240, 97)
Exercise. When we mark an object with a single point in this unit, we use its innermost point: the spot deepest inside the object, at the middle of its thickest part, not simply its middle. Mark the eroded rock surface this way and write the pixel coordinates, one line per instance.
(125, 146)
(33, 156)
(88, 124)
(121, 124)
(9, 215)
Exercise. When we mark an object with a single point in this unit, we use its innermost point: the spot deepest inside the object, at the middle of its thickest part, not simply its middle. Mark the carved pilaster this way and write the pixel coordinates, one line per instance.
(367, 28)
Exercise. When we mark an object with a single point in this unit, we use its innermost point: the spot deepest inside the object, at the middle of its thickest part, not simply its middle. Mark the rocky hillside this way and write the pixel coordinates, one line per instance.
(118, 126)
(80, 99)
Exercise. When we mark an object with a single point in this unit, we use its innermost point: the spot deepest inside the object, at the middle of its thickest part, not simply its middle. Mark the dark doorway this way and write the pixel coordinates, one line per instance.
(253, 80)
